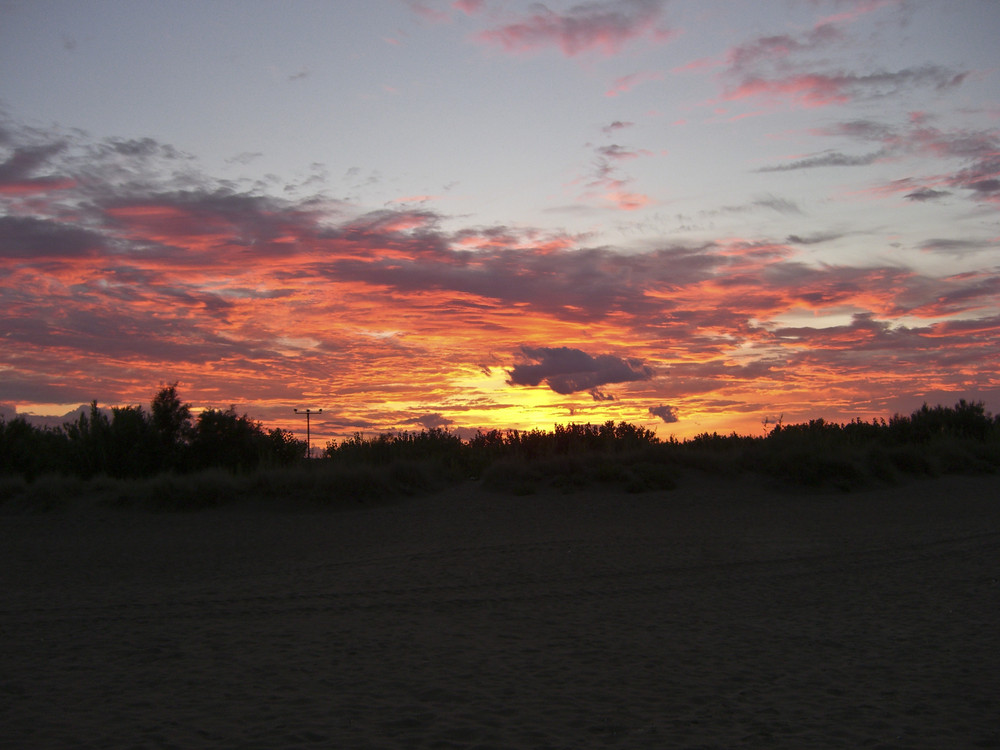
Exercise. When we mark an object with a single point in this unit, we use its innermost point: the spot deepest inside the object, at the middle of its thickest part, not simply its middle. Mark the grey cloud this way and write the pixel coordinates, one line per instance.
(958, 247)
(828, 159)
(616, 125)
(781, 205)
(877, 85)
(28, 237)
(813, 239)
(867, 130)
(926, 194)
(667, 413)
(614, 151)
(985, 186)
(581, 28)
(979, 150)
(25, 161)
(567, 370)
(773, 202)
(775, 47)
(144, 148)
(432, 421)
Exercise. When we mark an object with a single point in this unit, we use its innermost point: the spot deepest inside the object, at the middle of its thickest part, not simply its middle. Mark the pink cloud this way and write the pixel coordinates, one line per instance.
(628, 201)
(258, 300)
(861, 8)
(598, 26)
(427, 13)
(810, 90)
(820, 90)
(625, 84)
(469, 7)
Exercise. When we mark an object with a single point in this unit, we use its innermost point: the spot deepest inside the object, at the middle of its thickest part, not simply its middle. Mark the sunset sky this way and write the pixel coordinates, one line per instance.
(685, 214)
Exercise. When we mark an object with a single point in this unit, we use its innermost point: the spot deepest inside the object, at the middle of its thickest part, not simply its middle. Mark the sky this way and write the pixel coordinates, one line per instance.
(690, 215)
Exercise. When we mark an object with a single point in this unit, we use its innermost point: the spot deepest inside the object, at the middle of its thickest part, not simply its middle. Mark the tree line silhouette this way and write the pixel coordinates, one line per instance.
(135, 443)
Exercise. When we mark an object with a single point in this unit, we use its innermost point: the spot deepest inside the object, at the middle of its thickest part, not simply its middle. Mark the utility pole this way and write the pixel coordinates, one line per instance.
(308, 413)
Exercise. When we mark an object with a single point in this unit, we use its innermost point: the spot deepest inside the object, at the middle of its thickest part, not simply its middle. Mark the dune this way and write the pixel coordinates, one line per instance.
(715, 615)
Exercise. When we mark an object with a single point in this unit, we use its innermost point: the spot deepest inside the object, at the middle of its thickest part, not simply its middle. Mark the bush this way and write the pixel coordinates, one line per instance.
(204, 489)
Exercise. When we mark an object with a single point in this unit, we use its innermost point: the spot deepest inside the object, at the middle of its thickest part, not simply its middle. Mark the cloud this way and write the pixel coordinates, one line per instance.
(787, 69)
(616, 125)
(428, 13)
(24, 170)
(828, 159)
(813, 239)
(925, 194)
(768, 201)
(567, 370)
(626, 83)
(748, 56)
(977, 149)
(605, 26)
(959, 246)
(27, 237)
(469, 7)
(667, 413)
(432, 421)
(146, 270)
(607, 181)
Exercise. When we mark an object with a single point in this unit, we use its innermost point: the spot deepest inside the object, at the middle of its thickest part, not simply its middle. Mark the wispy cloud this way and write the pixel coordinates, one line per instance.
(974, 157)
(626, 83)
(827, 159)
(605, 26)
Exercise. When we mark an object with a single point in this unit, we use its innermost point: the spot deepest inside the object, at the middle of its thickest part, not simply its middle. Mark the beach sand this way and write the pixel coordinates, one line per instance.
(716, 615)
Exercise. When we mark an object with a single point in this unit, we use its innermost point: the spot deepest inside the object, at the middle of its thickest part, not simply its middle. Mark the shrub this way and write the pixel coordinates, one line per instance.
(649, 476)
(11, 486)
(204, 489)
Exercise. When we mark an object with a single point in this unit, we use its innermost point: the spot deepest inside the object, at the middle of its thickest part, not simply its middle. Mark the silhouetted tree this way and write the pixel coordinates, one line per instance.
(133, 450)
(228, 440)
(284, 448)
(30, 451)
(171, 420)
(89, 442)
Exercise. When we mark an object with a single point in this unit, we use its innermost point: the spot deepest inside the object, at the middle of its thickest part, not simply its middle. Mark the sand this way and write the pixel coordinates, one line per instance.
(716, 615)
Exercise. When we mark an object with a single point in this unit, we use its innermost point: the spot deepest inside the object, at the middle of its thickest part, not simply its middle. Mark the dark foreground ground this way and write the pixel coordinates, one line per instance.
(713, 615)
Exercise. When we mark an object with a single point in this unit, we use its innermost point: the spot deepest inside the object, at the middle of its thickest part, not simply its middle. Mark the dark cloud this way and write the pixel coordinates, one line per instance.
(614, 151)
(601, 395)
(25, 161)
(828, 159)
(991, 185)
(770, 49)
(959, 246)
(605, 25)
(781, 205)
(567, 370)
(772, 202)
(977, 149)
(31, 238)
(432, 421)
(821, 89)
(813, 239)
(667, 413)
(616, 125)
(926, 194)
